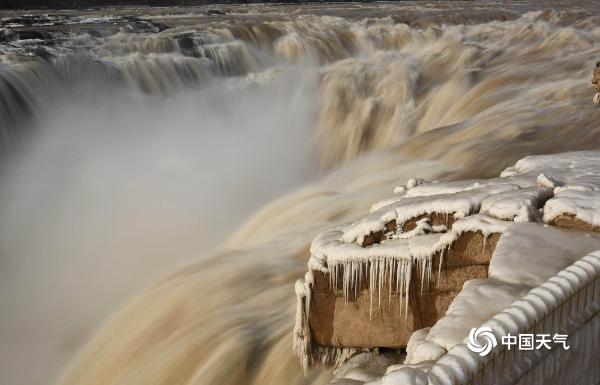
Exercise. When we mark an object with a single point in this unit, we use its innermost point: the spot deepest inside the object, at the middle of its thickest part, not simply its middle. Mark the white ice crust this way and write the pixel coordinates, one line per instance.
(518, 194)
(583, 205)
(575, 177)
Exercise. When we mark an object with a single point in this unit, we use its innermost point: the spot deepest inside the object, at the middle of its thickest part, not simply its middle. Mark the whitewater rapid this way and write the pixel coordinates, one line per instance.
(227, 145)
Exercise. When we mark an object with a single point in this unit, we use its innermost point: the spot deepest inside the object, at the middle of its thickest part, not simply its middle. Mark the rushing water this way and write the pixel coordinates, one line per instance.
(131, 146)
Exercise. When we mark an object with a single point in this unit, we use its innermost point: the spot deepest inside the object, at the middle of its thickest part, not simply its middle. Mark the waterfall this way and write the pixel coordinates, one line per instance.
(218, 149)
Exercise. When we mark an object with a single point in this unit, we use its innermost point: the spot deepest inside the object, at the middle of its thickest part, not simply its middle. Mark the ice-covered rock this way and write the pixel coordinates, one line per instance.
(404, 236)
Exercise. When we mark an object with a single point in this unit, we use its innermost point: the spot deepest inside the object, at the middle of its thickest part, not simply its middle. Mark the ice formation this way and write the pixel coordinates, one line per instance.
(536, 188)
(310, 354)
(390, 262)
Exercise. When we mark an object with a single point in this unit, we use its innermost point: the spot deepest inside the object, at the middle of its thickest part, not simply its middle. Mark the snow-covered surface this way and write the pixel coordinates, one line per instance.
(575, 177)
(458, 204)
(535, 189)
(519, 205)
(583, 205)
(517, 194)
(478, 222)
(531, 253)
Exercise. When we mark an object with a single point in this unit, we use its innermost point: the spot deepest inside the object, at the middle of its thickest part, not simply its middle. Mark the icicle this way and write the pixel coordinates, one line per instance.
(400, 281)
(425, 275)
(440, 264)
(390, 278)
(407, 278)
(302, 343)
(356, 283)
(360, 274)
(331, 277)
(354, 274)
(371, 284)
(429, 264)
(308, 284)
(421, 265)
(346, 280)
(379, 283)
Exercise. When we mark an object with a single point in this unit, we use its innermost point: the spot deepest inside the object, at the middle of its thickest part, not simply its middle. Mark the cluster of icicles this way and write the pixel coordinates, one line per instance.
(386, 276)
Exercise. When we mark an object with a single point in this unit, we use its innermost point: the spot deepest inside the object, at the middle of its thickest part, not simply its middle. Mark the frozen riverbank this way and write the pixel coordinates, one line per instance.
(556, 190)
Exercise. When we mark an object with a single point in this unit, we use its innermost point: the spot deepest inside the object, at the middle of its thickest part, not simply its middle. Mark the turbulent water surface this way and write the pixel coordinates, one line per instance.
(135, 142)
